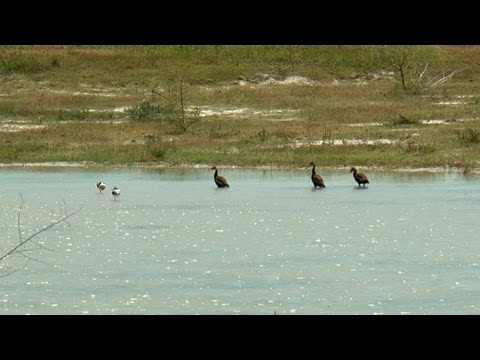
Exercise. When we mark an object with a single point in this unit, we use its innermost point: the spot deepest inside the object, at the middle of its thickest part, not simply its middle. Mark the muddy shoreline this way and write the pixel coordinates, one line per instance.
(93, 165)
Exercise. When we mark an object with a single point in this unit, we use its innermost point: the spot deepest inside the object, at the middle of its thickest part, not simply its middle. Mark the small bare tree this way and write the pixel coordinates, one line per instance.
(169, 105)
(26, 246)
(407, 60)
(186, 119)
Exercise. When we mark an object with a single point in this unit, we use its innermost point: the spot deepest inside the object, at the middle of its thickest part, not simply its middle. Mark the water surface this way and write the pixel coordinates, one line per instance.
(175, 244)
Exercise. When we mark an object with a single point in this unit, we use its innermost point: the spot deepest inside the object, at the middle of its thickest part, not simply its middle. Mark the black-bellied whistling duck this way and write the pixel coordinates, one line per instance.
(316, 179)
(220, 181)
(360, 178)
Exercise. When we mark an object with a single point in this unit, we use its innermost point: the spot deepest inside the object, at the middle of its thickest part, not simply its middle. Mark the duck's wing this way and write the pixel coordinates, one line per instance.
(318, 179)
(222, 181)
(362, 177)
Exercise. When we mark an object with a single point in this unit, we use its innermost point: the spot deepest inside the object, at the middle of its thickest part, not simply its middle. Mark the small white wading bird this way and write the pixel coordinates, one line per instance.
(101, 186)
(115, 192)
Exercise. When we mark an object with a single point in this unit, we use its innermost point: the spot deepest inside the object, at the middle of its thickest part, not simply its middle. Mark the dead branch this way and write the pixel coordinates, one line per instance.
(445, 78)
(436, 80)
(423, 72)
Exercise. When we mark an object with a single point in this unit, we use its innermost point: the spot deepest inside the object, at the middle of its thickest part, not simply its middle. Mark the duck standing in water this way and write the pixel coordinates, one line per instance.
(316, 178)
(360, 178)
(220, 181)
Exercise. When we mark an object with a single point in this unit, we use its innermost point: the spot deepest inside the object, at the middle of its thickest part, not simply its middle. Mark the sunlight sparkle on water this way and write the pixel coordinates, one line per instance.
(175, 244)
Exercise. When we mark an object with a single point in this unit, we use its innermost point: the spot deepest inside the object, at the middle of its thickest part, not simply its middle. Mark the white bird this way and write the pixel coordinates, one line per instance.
(116, 192)
(101, 186)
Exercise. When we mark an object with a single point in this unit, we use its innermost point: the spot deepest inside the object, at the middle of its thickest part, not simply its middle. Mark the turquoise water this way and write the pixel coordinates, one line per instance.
(175, 244)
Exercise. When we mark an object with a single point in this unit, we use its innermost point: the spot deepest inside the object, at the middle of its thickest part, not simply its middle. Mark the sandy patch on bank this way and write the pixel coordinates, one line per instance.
(19, 127)
(340, 142)
(84, 90)
(366, 124)
(272, 114)
(81, 93)
(452, 102)
(117, 109)
(266, 79)
(435, 122)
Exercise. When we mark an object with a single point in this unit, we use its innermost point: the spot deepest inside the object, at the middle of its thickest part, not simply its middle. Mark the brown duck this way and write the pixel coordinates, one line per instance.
(316, 178)
(219, 180)
(360, 178)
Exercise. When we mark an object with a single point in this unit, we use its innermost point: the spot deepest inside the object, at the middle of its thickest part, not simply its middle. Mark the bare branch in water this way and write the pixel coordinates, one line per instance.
(22, 202)
(21, 249)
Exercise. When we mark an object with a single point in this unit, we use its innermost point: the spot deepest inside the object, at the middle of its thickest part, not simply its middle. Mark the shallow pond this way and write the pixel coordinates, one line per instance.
(175, 244)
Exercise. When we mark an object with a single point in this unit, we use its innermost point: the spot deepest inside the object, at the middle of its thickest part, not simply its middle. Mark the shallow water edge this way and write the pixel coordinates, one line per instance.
(93, 165)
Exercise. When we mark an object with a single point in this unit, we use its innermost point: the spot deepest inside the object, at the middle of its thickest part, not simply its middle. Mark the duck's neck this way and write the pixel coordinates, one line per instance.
(216, 173)
(313, 170)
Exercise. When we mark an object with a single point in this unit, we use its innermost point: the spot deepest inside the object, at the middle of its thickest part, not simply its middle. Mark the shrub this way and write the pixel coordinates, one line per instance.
(403, 120)
(81, 114)
(149, 111)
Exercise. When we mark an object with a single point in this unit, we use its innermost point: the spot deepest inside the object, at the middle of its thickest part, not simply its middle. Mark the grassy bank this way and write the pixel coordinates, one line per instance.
(241, 105)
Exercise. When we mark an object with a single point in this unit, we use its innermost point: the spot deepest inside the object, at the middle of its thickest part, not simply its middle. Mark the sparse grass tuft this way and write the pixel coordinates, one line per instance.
(22, 65)
(403, 120)
(420, 148)
(81, 114)
(327, 136)
(263, 135)
(150, 111)
(469, 136)
(85, 114)
(7, 110)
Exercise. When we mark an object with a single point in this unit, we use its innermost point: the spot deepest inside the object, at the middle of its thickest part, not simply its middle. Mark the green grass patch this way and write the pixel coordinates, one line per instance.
(469, 136)
(150, 111)
(403, 120)
(85, 114)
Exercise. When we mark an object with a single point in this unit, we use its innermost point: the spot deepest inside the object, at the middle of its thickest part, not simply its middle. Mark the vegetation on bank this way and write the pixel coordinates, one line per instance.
(389, 106)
